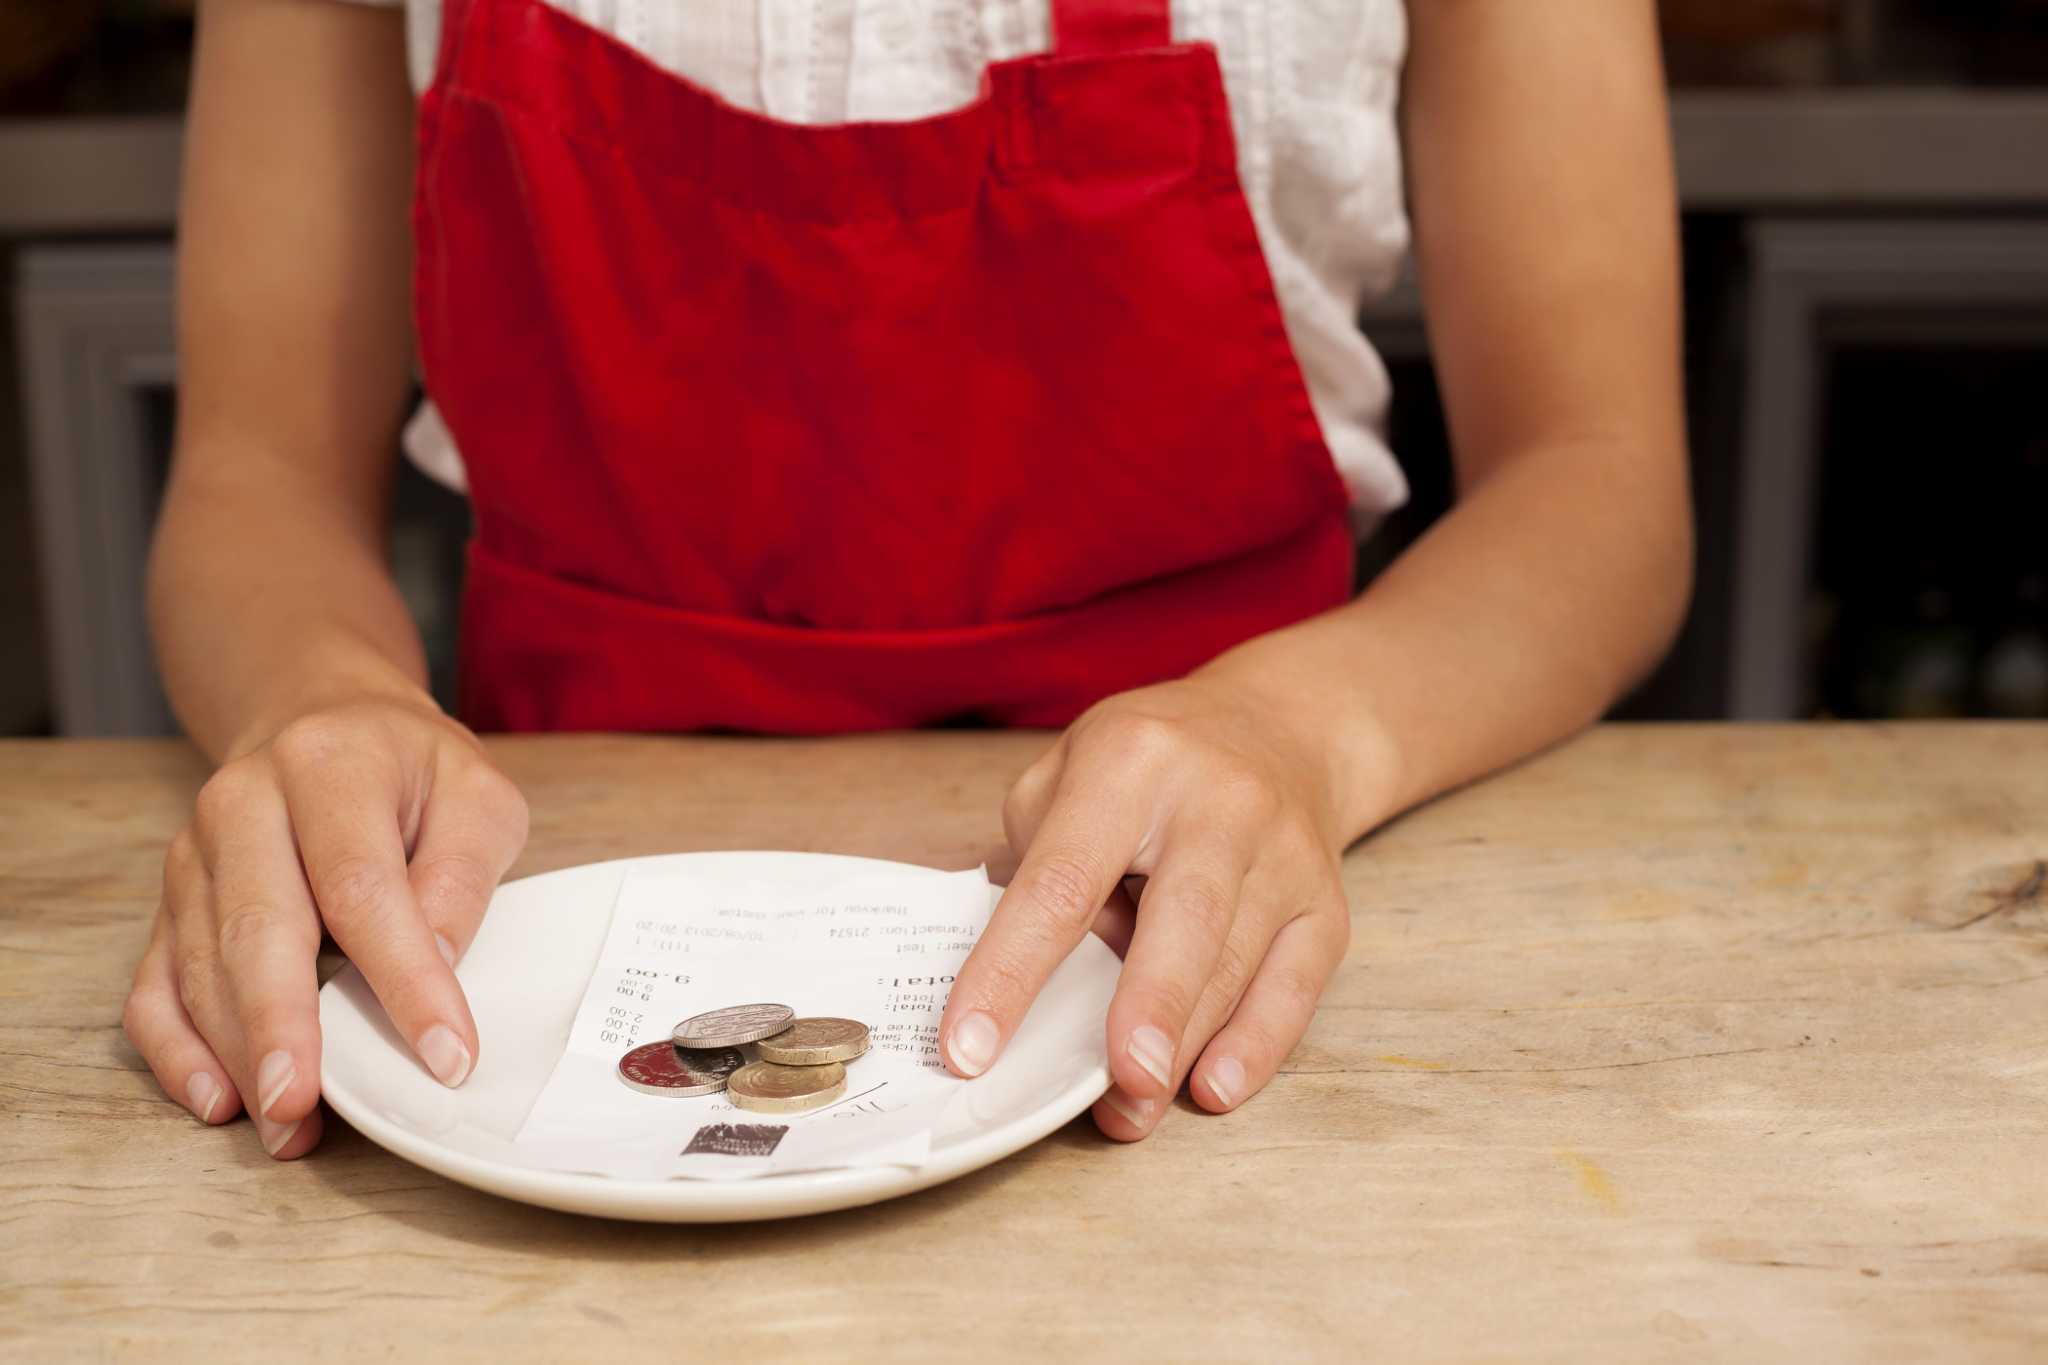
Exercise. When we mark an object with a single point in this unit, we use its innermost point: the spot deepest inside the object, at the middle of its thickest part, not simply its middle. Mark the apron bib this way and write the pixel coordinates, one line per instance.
(772, 427)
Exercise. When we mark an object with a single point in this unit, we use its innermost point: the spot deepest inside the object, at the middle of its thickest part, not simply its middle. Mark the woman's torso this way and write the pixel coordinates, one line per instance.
(1312, 84)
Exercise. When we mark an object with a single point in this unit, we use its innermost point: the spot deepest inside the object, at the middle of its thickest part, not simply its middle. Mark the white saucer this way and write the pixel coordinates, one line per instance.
(525, 975)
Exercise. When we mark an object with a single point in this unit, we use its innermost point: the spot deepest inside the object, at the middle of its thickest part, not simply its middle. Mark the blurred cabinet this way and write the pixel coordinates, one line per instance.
(1926, 482)
(96, 353)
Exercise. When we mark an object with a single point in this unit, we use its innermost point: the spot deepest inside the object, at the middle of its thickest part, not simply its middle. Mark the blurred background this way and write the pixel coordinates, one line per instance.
(1865, 187)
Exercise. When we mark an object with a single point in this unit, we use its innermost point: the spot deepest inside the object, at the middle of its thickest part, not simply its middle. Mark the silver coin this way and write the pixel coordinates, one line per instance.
(733, 1025)
(665, 1069)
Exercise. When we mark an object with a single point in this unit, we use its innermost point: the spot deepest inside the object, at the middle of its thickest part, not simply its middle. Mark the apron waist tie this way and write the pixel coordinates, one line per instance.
(588, 659)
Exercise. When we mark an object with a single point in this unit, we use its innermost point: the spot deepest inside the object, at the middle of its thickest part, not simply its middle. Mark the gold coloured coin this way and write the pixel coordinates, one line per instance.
(813, 1042)
(767, 1088)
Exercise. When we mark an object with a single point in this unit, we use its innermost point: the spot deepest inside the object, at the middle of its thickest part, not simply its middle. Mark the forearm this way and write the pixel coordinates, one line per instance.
(1548, 590)
(266, 604)
(1540, 181)
(268, 590)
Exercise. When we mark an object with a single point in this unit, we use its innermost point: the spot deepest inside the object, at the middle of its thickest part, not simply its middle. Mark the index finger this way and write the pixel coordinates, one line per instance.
(345, 815)
(472, 828)
(1077, 859)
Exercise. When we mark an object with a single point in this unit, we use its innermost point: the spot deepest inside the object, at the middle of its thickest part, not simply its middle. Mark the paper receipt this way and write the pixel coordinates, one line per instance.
(881, 947)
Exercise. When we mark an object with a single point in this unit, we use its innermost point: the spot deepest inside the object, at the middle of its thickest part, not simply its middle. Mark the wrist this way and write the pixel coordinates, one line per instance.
(1329, 722)
(356, 683)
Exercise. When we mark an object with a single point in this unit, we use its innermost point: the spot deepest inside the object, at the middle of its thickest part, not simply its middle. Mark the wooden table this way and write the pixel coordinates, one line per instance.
(1678, 1043)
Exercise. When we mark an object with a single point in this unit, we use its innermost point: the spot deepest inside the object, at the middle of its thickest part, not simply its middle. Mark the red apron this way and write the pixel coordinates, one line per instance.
(799, 429)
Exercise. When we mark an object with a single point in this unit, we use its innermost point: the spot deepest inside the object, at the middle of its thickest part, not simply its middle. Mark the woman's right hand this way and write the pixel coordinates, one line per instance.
(383, 821)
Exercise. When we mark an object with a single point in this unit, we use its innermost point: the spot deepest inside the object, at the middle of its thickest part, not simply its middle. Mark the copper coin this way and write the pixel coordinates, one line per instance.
(665, 1069)
(770, 1089)
(813, 1042)
(733, 1025)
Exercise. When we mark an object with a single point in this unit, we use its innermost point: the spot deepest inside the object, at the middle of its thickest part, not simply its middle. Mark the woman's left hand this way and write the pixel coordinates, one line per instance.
(1218, 797)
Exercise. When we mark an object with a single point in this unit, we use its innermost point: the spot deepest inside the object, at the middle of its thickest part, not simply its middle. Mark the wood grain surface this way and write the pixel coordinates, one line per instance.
(1674, 1044)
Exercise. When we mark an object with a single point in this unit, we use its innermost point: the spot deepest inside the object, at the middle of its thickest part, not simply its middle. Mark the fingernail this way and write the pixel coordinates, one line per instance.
(274, 1075)
(447, 949)
(973, 1044)
(276, 1136)
(444, 1055)
(1226, 1080)
(1137, 1112)
(1153, 1050)
(204, 1092)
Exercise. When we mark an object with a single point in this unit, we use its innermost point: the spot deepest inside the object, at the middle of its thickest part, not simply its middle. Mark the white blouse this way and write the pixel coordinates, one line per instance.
(1312, 84)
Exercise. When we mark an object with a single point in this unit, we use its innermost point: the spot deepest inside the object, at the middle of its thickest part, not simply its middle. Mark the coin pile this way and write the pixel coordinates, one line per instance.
(801, 1066)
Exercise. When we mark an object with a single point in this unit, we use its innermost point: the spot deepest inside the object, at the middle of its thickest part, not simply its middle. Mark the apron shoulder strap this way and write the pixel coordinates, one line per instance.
(1094, 28)
(454, 18)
